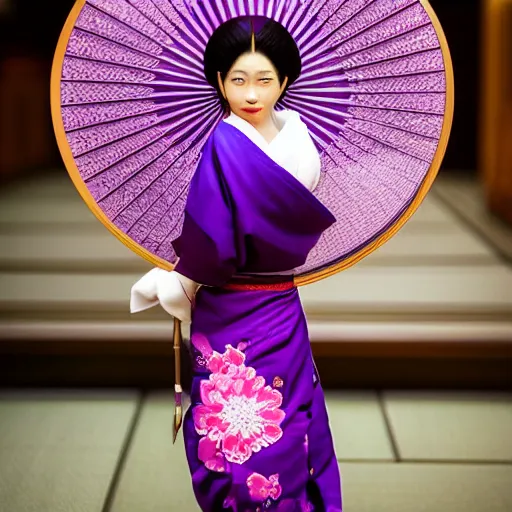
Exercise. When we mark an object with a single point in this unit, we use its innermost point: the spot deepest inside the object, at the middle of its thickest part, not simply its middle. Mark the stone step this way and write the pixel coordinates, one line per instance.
(101, 251)
(466, 199)
(62, 272)
(56, 201)
(366, 331)
(434, 292)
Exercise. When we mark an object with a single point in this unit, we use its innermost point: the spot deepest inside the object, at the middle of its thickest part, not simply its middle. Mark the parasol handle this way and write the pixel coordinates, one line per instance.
(177, 355)
(178, 409)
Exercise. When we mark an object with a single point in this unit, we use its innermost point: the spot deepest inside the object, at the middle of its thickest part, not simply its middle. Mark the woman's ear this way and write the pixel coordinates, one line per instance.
(283, 86)
(221, 85)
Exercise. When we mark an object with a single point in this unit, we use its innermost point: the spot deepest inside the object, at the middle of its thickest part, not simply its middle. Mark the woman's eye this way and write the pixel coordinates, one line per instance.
(238, 80)
(265, 80)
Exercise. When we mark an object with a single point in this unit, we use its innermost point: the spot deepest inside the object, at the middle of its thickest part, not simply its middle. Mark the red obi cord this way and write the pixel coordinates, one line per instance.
(256, 285)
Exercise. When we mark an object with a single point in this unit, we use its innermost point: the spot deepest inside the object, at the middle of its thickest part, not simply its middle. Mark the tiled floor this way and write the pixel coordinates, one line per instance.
(112, 452)
(58, 451)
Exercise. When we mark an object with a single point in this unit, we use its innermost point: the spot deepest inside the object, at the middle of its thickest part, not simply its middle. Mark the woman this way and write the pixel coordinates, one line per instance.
(257, 434)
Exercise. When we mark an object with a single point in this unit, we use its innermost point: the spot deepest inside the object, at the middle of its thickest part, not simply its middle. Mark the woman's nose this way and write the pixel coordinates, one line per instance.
(251, 96)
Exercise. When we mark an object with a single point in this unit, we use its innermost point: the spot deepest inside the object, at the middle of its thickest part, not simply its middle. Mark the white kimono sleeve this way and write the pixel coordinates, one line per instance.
(173, 291)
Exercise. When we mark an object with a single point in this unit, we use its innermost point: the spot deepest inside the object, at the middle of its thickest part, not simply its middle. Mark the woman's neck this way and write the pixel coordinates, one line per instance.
(268, 128)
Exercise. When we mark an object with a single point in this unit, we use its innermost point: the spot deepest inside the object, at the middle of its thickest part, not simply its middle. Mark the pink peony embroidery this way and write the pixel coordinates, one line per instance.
(242, 346)
(209, 453)
(278, 382)
(260, 488)
(239, 414)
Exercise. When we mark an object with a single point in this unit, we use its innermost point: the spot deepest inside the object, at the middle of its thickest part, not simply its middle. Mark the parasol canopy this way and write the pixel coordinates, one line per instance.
(132, 109)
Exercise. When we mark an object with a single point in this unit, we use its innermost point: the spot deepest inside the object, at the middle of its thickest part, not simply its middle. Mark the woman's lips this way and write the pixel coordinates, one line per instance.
(251, 110)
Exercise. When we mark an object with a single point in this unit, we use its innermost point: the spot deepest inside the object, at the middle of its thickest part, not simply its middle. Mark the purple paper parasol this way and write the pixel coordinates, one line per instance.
(132, 110)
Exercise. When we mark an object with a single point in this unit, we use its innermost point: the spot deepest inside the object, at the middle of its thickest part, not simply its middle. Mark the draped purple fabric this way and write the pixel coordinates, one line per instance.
(245, 213)
(257, 433)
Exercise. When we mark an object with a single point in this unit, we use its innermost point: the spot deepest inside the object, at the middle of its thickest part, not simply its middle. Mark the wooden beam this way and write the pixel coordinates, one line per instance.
(495, 159)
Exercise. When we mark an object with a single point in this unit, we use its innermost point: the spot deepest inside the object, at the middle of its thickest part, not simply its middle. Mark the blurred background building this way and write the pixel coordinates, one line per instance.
(414, 343)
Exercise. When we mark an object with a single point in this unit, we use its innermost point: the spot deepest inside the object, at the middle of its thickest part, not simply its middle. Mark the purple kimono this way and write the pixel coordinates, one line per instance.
(257, 434)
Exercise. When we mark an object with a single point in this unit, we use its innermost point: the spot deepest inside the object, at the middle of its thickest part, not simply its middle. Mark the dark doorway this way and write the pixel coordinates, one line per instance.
(461, 21)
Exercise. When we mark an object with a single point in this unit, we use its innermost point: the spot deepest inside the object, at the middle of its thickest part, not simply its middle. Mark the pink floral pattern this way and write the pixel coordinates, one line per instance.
(260, 488)
(277, 382)
(239, 414)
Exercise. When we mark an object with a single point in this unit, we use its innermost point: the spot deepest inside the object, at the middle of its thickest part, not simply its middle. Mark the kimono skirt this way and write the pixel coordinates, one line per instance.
(257, 433)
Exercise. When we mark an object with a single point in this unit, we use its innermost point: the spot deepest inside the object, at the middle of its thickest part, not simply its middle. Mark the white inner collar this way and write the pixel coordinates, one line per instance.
(283, 118)
(292, 148)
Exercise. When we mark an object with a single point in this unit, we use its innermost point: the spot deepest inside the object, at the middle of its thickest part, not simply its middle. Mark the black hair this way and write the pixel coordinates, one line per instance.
(233, 38)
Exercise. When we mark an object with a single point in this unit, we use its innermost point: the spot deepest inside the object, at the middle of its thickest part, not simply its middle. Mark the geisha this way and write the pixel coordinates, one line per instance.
(257, 433)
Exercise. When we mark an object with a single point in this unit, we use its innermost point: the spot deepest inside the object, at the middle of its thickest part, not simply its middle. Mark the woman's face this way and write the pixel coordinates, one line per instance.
(252, 88)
